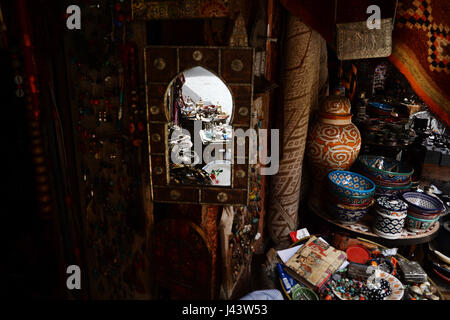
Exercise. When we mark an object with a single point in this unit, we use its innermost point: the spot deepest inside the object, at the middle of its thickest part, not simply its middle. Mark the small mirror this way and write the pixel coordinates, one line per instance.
(199, 110)
(199, 107)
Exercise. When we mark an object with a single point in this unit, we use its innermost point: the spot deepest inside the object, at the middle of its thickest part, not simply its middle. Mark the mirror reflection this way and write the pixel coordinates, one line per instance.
(200, 106)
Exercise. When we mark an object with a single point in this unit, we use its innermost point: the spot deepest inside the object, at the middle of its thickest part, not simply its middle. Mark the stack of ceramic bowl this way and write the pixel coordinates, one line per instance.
(390, 176)
(423, 211)
(390, 216)
(351, 195)
(380, 109)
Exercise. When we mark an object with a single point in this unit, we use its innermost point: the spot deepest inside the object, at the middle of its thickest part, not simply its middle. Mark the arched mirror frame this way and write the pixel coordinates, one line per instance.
(234, 66)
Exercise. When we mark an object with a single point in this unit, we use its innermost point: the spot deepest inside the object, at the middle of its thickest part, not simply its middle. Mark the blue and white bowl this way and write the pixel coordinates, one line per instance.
(348, 184)
(422, 203)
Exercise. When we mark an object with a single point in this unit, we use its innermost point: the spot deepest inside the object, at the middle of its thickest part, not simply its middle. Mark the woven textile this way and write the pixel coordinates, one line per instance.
(421, 51)
(304, 75)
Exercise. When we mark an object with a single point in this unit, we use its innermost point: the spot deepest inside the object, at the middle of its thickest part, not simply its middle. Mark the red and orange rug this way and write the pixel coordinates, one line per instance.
(421, 51)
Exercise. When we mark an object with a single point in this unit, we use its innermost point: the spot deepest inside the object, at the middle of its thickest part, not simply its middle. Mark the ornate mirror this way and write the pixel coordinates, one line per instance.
(197, 97)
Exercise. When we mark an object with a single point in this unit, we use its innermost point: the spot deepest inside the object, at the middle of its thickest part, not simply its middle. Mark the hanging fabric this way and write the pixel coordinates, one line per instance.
(357, 41)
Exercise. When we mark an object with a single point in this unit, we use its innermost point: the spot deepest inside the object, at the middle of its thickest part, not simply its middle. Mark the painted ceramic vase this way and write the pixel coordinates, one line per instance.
(334, 141)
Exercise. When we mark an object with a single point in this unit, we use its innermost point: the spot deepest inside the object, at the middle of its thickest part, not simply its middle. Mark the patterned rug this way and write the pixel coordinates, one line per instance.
(421, 51)
(304, 75)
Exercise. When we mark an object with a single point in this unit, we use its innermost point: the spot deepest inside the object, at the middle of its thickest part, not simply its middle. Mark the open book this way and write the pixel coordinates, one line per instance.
(314, 262)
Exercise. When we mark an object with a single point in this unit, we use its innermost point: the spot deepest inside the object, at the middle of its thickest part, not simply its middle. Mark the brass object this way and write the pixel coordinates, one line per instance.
(154, 110)
(239, 36)
(156, 137)
(240, 174)
(158, 171)
(197, 55)
(356, 41)
(237, 65)
(186, 9)
(175, 195)
(159, 63)
(222, 197)
(243, 111)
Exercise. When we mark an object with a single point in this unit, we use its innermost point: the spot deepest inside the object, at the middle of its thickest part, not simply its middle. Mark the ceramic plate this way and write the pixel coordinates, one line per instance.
(396, 286)
(220, 172)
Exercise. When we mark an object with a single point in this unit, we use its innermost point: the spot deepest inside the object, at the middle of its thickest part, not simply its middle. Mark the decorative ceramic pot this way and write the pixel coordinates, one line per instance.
(334, 141)
(346, 183)
(389, 226)
(391, 206)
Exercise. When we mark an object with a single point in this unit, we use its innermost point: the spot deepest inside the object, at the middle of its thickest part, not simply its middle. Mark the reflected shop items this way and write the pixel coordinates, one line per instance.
(199, 106)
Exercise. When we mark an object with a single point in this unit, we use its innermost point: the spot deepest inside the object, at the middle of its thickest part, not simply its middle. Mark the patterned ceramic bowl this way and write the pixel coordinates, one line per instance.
(419, 225)
(422, 203)
(383, 169)
(348, 214)
(350, 184)
(423, 216)
(381, 106)
(350, 201)
(391, 191)
(389, 226)
(388, 184)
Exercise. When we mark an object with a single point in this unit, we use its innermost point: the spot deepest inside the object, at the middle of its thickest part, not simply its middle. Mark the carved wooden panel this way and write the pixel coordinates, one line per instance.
(240, 175)
(175, 194)
(157, 110)
(159, 170)
(223, 196)
(161, 63)
(191, 57)
(182, 259)
(237, 65)
(157, 137)
(242, 113)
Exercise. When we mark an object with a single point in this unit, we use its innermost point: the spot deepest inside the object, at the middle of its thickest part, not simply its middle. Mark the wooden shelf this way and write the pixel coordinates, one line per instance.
(364, 228)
